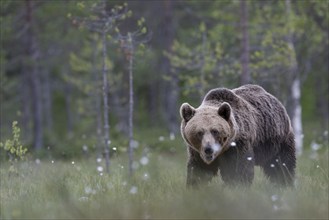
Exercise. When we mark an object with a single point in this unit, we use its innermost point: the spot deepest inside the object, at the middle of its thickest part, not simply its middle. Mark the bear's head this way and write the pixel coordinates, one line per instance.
(207, 129)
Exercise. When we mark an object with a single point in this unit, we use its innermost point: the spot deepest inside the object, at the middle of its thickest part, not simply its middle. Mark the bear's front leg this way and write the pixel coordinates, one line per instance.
(198, 171)
(237, 165)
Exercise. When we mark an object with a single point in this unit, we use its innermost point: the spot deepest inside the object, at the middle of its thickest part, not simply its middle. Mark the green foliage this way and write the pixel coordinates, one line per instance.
(199, 64)
(14, 146)
(205, 44)
(14, 149)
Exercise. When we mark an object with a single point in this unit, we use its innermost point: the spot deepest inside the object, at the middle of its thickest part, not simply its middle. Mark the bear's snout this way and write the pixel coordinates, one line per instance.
(208, 150)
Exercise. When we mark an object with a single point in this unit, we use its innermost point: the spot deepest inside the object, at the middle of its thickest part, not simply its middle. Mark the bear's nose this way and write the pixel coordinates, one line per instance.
(208, 150)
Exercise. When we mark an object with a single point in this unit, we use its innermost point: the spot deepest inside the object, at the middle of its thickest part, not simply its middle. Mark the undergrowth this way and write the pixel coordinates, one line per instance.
(50, 189)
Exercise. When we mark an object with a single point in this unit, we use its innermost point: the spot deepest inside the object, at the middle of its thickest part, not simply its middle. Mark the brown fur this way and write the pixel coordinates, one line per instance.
(251, 118)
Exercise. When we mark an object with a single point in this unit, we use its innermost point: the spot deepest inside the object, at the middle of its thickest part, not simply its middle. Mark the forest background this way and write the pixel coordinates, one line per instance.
(51, 65)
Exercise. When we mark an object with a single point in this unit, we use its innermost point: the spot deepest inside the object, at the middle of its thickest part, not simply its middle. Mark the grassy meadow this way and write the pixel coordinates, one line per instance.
(80, 189)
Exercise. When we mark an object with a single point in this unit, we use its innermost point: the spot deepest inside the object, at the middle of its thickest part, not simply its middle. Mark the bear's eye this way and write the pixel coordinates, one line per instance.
(199, 134)
(214, 132)
(224, 139)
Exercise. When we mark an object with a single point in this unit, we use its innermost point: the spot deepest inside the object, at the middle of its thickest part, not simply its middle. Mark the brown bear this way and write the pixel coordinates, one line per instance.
(234, 130)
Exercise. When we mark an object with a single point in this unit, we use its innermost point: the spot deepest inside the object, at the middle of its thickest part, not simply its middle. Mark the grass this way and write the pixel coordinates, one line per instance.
(61, 189)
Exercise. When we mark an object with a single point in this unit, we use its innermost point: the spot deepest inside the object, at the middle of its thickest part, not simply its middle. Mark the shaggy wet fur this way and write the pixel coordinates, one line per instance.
(258, 125)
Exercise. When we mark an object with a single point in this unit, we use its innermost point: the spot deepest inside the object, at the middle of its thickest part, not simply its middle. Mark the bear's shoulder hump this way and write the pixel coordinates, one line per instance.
(221, 95)
(249, 88)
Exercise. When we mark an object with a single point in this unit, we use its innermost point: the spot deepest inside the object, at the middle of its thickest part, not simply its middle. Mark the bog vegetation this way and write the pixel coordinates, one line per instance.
(90, 93)
(48, 188)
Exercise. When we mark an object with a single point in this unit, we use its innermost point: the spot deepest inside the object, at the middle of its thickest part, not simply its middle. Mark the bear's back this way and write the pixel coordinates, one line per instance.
(271, 114)
(251, 93)
(251, 103)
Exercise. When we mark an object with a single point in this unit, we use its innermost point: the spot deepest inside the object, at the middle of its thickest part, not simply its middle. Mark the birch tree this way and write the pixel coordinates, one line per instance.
(103, 21)
(295, 89)
(129, 43)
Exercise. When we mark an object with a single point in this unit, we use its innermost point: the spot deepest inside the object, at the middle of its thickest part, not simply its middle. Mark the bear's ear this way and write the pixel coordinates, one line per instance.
(186, 112)
(225, 111)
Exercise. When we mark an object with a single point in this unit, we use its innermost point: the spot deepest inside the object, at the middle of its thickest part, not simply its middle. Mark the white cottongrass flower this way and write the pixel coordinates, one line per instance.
(233, 144)
(272, 165)
(144, 161)
(133, 190)
(161, 138)
(146, 176)
(72, 162)
(172, 136)
(100, 169)
(85, 147)
(88, 190)
(37, 161)
(315, 146)
(99, 160)
(274, 197)
(114, 148)
(249, 158)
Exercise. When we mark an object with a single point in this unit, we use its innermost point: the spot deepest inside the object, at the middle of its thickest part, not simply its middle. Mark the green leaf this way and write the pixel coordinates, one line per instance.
(129, 13)
(144, 30)
(202, 27)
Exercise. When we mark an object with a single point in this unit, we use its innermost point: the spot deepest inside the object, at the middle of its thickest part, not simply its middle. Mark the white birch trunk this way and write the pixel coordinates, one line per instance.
(98, 104)
(295, 89)
(296, 119)
(106, 107)
(131, 104)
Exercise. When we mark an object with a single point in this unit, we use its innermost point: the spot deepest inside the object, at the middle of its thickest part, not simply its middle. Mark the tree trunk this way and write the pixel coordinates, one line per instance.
(131, 104)
(26, 107)
(245, 75)
(153, 103)
(68, 108)
(34, 79)
(47, 100)
(36, 109)
(105, 106)
(97, 94)
(202, 86)
(295, 90)
(172, 92)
